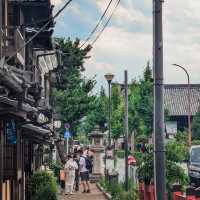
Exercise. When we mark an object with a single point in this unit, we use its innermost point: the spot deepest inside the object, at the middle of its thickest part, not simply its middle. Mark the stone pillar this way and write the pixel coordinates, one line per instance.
(98, 162)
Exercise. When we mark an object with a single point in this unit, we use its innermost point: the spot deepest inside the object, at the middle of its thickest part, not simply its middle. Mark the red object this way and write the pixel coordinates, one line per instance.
(190, 197)
(131, 160)
(175, 194)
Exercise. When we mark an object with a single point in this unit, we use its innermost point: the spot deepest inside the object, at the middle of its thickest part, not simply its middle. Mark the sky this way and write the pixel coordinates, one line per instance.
(126, 43)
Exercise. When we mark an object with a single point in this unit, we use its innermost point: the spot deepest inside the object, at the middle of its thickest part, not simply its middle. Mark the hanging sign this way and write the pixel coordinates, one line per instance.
(11, 131)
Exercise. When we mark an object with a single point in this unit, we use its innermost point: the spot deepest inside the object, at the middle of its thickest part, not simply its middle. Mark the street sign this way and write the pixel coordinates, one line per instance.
(67, 134)
(67, 126)
(11, 132)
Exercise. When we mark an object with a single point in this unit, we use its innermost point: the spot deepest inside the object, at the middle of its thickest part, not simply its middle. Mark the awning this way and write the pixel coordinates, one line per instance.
(36, 133)
(36, 129)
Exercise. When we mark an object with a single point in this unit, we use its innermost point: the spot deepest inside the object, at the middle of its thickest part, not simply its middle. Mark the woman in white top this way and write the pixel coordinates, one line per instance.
(70, 168)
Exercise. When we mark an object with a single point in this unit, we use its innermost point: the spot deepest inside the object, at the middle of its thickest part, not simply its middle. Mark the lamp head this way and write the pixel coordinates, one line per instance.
(109, 77)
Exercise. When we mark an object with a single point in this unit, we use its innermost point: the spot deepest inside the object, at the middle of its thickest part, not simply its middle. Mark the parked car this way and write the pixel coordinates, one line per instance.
(194, 165)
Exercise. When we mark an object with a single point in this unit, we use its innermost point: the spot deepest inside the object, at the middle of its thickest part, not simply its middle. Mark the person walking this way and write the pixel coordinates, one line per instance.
(70, 168)
(76, 159)
(84, 171)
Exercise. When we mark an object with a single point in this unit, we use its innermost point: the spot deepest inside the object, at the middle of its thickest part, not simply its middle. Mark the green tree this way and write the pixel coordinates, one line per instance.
(117, 119)
(141, 104)
(97, 114)
(176, 152)
(196, 126)
(72, 97)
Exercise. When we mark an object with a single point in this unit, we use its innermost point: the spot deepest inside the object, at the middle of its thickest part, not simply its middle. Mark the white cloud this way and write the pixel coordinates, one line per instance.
(126, 13)
(181, 40)
(181, 43)
(117, 50)
(127, 42)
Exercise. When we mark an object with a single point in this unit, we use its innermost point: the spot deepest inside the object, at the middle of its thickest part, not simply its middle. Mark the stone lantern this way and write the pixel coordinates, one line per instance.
(97, 145)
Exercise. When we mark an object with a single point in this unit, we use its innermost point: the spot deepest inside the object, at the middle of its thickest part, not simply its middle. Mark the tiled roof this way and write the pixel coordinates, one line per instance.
(176, 99)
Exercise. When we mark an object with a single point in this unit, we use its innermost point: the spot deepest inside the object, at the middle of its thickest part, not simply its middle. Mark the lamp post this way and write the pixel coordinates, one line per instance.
(124, 86)
(109, 77)
(189, 104)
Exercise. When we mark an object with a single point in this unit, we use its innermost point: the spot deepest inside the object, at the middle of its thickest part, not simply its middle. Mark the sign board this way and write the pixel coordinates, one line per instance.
(11, 131)
(67, 134)
(67, 126)
(171, 127)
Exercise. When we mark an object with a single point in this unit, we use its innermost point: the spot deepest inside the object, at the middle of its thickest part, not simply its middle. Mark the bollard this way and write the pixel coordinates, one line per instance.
(197, 193)
(176, 190)
(152, 195)
(190, 193)
(146, 192)
(141, 190)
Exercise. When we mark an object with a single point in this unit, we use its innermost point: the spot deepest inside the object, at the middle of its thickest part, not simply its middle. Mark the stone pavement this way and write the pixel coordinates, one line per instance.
(94, 195)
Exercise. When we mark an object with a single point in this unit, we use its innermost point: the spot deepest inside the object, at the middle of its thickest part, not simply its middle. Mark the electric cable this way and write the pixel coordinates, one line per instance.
(106, 24)
(97, 25)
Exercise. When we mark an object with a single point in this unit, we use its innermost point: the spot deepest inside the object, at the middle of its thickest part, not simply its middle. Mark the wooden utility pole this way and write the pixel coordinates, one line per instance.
(159, 153)
(126, 127)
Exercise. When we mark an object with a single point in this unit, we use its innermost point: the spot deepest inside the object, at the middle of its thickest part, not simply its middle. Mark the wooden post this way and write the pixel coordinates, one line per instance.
(19, 169)
(1, 159)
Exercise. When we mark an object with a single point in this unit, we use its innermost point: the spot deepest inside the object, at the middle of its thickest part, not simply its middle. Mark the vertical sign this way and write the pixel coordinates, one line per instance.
(11, 131)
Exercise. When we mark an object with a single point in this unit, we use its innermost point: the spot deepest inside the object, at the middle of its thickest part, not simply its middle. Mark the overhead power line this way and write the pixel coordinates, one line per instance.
(97, 25)
(106, 24)
(40, 30)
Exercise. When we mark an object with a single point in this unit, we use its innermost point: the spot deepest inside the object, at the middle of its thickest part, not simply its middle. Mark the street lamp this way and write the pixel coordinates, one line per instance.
(109, 77)
(189, 105)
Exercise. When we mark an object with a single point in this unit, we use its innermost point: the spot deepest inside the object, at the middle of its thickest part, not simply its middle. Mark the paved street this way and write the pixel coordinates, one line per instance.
(94, 195)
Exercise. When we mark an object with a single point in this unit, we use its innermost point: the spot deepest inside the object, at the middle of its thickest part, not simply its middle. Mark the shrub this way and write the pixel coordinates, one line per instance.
(43, 186)
(56, 167)
(120, 153)
(116, 190)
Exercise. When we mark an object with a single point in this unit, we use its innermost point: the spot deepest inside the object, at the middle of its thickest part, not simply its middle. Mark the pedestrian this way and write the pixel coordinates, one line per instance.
(70, 168)
(90, 154)
(84, 171)
(76, 159)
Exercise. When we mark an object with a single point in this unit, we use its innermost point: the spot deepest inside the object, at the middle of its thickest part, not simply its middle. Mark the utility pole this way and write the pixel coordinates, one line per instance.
(159, 153)
(126, 127)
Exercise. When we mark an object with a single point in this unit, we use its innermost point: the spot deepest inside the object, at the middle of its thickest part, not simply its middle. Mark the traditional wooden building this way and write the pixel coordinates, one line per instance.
(26, 76)
(176, 103)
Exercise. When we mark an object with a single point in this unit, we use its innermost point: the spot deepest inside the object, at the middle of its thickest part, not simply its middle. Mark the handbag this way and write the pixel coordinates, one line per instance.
(62, 175)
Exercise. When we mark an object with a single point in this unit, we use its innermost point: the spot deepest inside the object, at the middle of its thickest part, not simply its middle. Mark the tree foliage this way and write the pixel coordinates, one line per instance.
(196, 126)
(176, 152)
(73, 98)
(97, 114)
(141, 104)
